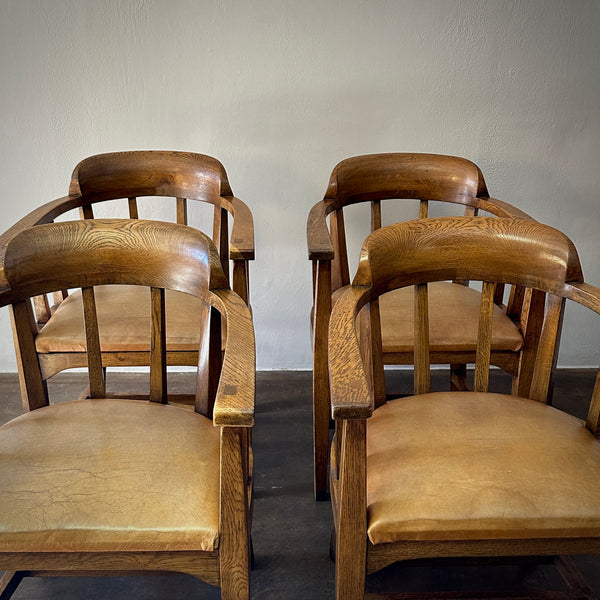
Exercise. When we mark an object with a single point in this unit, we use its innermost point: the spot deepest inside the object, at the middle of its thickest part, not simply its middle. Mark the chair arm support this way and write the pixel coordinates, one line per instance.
(350, 390)
(320, 246)
(241, 246)
(503, 209)
(43, 214)
(234, 403)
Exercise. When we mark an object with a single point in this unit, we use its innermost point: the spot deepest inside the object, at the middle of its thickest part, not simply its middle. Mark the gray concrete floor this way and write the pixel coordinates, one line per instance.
(290, 531)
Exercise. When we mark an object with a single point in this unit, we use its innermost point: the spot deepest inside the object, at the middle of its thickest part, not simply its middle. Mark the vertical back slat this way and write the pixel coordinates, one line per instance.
(33, 387)
(220, 237)
(340, 274)
(499, 294)
(58, 297)
(86, 211)
(548, 344)
(375, 215)
(423, 209)
(182, 215)
(42, 308)
(515, 301)
(422, 382)
(92, 337)
(484, 337)
(158, 347)
(133, 208)
(593, 416)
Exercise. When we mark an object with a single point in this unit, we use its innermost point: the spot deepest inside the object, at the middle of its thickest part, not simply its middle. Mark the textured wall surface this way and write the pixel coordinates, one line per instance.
(281, 90)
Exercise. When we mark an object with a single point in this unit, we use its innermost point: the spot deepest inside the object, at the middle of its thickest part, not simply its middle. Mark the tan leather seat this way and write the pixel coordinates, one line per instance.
(479, 466)
(453, 320)
(123, 321)
(122, 489)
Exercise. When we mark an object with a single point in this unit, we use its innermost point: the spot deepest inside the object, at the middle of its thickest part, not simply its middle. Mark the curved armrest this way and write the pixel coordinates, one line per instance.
(585, 294)
(43, 214)
(241, 246)
(320, 246)
(503, 209)
(234, 403)
(350, 390)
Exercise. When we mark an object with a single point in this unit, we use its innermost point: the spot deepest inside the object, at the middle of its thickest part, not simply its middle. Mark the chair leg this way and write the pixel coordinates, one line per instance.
(458, 378)
(351, 533)
(320, 434)
(234, 548)
(573, 577)
(9, 583)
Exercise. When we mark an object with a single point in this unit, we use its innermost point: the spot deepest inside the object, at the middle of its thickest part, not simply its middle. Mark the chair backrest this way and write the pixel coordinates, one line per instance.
(180, 176)
(405, 175)
(401, 176)
(150, 173)
(158, 255)
(490, 250)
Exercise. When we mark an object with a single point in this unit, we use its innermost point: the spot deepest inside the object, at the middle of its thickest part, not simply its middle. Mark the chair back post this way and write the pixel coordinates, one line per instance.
(340, 272)
(182, 211)
(34, 391)
(531, 329)
(547, 349)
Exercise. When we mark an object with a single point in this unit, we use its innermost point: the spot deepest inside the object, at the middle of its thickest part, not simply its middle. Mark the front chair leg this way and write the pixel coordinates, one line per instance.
(234, 545)
(351, 536)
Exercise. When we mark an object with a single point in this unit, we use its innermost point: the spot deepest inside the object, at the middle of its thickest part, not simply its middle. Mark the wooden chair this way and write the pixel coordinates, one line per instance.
(189, 181)
(459, 473)
(425, 179)
(96, 486)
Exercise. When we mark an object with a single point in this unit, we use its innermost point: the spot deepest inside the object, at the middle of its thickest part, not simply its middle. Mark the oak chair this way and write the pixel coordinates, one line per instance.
(459, 473)
(100, 485)
(184, 182)
(424, 179)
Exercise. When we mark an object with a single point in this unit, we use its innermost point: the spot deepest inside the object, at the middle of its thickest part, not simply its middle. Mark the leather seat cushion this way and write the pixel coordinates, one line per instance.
(453, 320)
(124, 321)
(467, 465)
(102, 475)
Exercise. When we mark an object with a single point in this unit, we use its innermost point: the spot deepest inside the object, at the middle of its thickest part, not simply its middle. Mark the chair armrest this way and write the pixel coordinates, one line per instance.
(503, 209)
(234, 403)
(241, 246)
(43, 214)
(350, 390)
(320, 246)
(585, 294)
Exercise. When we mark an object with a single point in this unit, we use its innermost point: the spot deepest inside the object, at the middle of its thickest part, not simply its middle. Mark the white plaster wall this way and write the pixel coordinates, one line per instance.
(280, 91)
